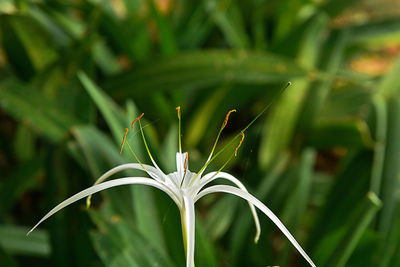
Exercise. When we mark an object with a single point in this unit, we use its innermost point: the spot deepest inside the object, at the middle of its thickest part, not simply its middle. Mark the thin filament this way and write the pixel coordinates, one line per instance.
(147, 147)
(242, 131)
(226, 163)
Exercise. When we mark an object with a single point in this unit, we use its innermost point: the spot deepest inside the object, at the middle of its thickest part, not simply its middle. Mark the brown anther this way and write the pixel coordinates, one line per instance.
(240, 143)
(138, 118)
(178, 110)
(227, 118)
(186, 161)
(123, 140)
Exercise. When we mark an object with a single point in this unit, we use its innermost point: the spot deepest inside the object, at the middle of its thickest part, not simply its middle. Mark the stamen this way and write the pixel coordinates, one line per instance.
(240, 143)
(178, 110)
(147, 148)
(123, 140)
(227, 117)
(211, 157)
(89, 198)
(186, 161)
(138, 118)
(220, 131)
(185, 168)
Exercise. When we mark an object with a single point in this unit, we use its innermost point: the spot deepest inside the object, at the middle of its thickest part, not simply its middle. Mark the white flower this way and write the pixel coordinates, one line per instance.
(185, 188)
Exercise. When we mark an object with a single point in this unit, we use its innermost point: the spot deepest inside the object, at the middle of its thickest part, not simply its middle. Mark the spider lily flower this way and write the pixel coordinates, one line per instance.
(184, 187)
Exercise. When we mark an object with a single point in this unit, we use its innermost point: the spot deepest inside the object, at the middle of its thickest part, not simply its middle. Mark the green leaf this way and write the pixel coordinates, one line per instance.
(31, 107)
(292, 214)
(120, 244)
(220, 217)
(196, 28)
(201, 119)
(389, 85)
(167, 39)
(24, 143)
(391, 168)
(5, 258)
(284, 115)
(27, 45)
(205, 68)
(374, 32)
(389, 89)
(287, 17)
(353, 230)
(147, 217)
(354, 173)
(243, 225)
(22, 179)
(228, 18)
(335, 7)
(169, 149)
(205, 252)
(387, 253)
(318, 95)
(14, 240)
(345, 133)
(110, 111)
(380, 108)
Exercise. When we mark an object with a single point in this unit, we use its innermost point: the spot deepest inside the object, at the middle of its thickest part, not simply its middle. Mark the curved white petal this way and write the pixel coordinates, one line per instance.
(189, 228)
(217, 175)
(150, 170)
(153, 172)
(261, 206)
(96, 188)
(156, 166)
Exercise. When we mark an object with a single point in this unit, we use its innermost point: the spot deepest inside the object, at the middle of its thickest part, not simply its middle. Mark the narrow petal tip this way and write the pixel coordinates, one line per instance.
(257, 237)
(30, 231)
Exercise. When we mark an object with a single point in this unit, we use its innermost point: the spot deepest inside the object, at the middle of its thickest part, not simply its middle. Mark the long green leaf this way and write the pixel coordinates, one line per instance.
(282, 120)
(362, 217)
(205, 68)
(28, 46)
(30, 106)
(13, 239)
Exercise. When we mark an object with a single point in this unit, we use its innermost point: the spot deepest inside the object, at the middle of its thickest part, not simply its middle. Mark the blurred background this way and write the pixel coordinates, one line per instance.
(324, 157)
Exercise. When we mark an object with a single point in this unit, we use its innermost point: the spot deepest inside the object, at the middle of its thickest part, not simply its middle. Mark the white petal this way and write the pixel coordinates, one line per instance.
(189, 228)
(153, 172)
(96, 188)
(261, 206)
(156, 166)
(216, 175)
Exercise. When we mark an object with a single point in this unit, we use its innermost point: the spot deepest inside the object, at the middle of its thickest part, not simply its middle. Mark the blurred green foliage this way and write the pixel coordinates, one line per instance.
(325, 158)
